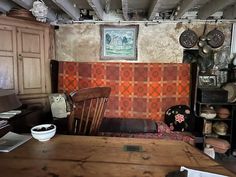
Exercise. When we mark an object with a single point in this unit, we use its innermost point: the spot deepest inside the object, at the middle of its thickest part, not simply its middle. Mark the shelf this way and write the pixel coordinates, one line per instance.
(218, 104)
(206, 125)
(216, 135)
(218, 119)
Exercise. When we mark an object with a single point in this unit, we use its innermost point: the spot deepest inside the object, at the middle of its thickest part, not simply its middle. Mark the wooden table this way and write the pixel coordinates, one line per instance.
(81, 156)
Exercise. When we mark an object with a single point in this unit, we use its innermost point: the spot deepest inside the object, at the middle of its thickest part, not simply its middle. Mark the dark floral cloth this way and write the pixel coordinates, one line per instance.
(179, 118)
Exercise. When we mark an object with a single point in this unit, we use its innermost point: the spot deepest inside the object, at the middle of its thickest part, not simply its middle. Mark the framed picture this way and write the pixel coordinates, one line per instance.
(119, 42)
(207, 81)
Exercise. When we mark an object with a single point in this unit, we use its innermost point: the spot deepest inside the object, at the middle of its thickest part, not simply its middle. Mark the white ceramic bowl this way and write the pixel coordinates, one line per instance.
(43, 135)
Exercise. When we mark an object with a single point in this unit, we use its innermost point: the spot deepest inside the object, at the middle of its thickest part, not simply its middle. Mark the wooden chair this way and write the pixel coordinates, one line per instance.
(88, 109)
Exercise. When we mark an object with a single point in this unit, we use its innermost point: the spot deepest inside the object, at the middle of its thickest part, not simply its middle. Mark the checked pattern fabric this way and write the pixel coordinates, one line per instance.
(139, 90)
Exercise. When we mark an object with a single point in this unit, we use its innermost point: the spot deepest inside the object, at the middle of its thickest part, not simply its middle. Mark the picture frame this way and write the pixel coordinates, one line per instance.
(207, 81)
(119, 42)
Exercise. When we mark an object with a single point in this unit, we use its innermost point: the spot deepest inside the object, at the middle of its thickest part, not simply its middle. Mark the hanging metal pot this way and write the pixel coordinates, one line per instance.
(203, 38)
(188, 38)
(201, 43)
(205, 51)
(215, 38)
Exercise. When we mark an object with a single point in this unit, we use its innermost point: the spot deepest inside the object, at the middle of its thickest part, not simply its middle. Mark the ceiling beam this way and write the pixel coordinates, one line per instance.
(184, 7)
(52, 16)
(97, 7)
(107, 6)
(69, 8)
(230, 12)
(154, 9)
(6, 5)
(28, 4)
(125, 9)
(213, 6)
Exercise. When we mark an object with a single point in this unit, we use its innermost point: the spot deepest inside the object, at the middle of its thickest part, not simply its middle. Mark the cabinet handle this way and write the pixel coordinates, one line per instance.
(20, 57)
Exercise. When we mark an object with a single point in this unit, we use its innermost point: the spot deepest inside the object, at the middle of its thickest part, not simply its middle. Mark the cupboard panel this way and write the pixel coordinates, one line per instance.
(6, 35)
(8, 60)
(30, 42)
(32, 73)
(7, 73)
(31, 61)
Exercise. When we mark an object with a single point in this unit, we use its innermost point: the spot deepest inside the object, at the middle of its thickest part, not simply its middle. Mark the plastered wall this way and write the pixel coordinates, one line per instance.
(157, 43)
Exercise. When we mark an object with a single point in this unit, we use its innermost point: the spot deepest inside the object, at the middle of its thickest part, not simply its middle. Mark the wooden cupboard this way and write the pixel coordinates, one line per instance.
(26, 48)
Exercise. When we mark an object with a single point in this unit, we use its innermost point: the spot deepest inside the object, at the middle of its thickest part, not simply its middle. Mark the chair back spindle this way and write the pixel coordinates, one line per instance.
(88, 109)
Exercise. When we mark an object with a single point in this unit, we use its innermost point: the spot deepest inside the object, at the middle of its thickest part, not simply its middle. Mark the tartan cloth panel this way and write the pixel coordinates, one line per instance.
(139, 90)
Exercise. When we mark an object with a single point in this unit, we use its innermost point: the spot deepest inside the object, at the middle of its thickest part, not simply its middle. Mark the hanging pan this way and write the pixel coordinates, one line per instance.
(205, 51)
(215, 38)
(188, 38)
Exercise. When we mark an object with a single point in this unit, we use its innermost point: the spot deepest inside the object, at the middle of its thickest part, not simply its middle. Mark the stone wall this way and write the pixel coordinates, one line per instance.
(157, 43)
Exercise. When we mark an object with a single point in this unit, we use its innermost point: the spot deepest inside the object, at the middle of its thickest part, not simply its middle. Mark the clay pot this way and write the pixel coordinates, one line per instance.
(223, 113)
(220, 128)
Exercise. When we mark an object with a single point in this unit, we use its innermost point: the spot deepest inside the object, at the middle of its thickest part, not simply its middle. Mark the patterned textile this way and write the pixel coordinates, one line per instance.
(179, 118)
(138, 89)
(163, 133)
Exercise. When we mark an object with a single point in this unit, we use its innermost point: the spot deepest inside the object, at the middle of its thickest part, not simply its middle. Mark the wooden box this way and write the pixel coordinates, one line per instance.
(212, 95)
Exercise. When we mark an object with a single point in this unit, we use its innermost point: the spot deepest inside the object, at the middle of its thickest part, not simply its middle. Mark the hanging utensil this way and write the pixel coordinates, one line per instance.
(215, 38)
(205, 52)
(206, 49)
(202, 38)
(188, 38)
(201, 43)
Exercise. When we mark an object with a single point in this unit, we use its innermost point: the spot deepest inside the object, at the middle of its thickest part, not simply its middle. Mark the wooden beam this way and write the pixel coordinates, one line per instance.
(52, 16)
(213, 6)
(27, 4)
(6, 5)
(97, 7)
(69, 8)
(230, 12)
(184, 7)
(125, 9)
(107, 6)
(154, 9)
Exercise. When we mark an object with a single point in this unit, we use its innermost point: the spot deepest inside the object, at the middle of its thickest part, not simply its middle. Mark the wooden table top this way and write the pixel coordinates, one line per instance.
(84, 156)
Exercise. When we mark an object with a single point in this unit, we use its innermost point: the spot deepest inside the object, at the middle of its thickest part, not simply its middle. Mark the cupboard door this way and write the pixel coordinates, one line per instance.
(31, 61)
(8, 60)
